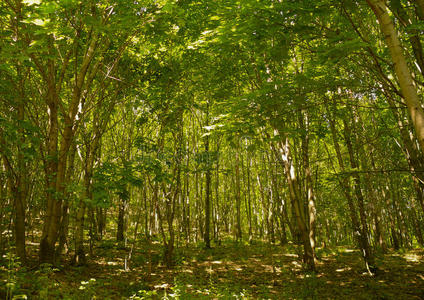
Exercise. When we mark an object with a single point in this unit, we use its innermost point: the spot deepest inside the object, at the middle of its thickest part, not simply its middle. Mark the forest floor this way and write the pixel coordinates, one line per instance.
(229, 271)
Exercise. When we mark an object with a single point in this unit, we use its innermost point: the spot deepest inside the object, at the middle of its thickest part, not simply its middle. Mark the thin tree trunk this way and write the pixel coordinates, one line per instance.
(120, 233)
(79, 257)
(368, 255)
(358, 232)
(304, 126)
(217, 206)
(238, 196)
(208, 187)
(295, 196)
(249, 200)
(64, 226)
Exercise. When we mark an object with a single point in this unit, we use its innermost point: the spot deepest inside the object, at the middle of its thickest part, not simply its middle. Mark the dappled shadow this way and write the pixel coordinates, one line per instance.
(275, 274)
(236, 270)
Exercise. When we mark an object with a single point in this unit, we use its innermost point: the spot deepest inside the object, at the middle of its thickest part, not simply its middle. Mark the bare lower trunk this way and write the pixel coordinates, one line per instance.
(298, 208)
(120, 233)
(359, 233)
(79, 257)
(62, 248)
(238, 198)
(310, 196)
(63, 232)
(101, 221)
(19, 221)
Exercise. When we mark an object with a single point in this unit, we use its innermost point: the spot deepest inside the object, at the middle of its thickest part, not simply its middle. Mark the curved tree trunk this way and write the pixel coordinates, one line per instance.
(402, 71)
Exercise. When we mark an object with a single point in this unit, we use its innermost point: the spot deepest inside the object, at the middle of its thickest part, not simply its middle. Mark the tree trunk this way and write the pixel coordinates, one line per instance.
(402, 71)
(367, 251)
(310, 196)
(249, 200)
(217, 205)
(120, 233)
(54, 201)
(238, 196)
(64, 225)
(207, 188)
(358, 232)
(298, 208)
(79, 257)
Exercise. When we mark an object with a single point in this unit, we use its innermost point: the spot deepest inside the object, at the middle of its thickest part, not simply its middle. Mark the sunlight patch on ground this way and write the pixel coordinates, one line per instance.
(264, 276)
(266, 268)
(162, 286)
(344, 269)
(412, 257)
(290, 255)
(296, 264)
(187, 271)
(217, 262)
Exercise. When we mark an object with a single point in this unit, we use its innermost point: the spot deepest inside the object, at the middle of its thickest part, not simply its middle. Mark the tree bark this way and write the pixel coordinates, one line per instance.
(367, 251)
(298, 208)
(310, 196)
(358, 232)
(64, 225)
(207, 239)
(402, 71)
(238, 196)
(120, 233)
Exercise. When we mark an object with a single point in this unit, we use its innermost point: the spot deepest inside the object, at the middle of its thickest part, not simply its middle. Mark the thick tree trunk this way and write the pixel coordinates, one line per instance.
(402, 71)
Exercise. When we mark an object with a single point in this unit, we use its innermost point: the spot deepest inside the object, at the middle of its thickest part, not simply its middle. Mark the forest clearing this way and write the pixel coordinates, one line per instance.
(199, 149)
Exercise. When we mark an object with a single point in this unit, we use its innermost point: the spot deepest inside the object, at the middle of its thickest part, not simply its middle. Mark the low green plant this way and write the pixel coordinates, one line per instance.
(12, 280)
(88, 289)
(144, 294)
(310, 286)
(47, 288)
